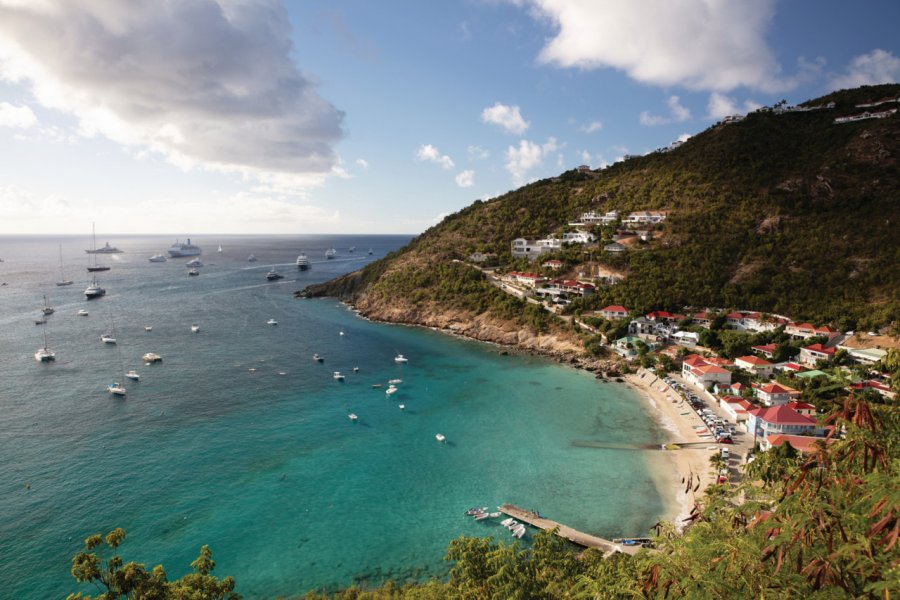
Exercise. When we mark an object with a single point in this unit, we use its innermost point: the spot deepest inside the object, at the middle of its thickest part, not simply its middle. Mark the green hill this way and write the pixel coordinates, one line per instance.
(780, 212)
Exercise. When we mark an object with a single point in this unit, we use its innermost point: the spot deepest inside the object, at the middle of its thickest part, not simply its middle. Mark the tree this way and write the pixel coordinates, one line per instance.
(117, 579)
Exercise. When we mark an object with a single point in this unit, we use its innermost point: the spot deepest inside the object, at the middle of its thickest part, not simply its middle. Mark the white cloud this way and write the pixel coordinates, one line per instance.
(527, 156)
(585, 157)
(362, 163)
(708, 45)
(429, 153)
(684, 137)
(207, 83)
(466, 178)
(878, 66)
(507, 117)
(19, 117)
(720, 106)
(592, 127)
(677, 114)
(477, 153)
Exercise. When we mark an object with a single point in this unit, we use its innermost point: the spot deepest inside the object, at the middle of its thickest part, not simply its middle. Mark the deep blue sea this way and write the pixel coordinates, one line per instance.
(241, 441)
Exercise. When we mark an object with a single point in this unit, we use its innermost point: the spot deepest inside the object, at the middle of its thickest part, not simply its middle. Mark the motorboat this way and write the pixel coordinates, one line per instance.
(41, 321)
(394, 381)
(151, 358)
(302, 262)
(251, 258)
(94, 290)
(107, 338)
(116, 389)
(318, 358)
(390, 391)
(133, 375)
(352, 416)
(401, 406)
(338, 375)
(148, 328)
(330, 253)
(193, 272)
(97, 268)
(44, 355)
(274, 275)
(506, 522)
(271, 322)
(512, 525)
(351, 249)
(519, 532)
(475, 511)
(371, 252)
(178, 249)
(400, 359)
(157, 258)
(194, 262)
(195, 328)
(482, 516)
(440, 437)
(342, 332)
(356, 369)
(106, 249)
(82, 313)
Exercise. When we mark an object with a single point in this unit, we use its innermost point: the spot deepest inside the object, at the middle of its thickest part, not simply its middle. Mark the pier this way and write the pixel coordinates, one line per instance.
(576, 537)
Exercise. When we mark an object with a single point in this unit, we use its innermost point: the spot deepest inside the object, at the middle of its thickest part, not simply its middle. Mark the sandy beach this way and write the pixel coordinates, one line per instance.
(681, 424)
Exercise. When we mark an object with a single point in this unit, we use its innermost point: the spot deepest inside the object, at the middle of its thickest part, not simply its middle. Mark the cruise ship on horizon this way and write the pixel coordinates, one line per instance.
(179, 249)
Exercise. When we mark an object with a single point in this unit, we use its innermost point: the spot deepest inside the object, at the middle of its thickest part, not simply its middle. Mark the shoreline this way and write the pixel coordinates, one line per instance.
(682, 465)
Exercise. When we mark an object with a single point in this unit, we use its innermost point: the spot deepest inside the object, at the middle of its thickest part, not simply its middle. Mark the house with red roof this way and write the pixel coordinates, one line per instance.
(735, 408)
(774, 394)
(801, 443)
(662, 315)
(782, 419)
(808, 330)
(703, 373)
(731, 389)
(872, 384)
(814, 353)
(703, 319)
(570, 286)
(803, 408)
(767, 350)
(613, 311)
(554, 264)
(756, 366)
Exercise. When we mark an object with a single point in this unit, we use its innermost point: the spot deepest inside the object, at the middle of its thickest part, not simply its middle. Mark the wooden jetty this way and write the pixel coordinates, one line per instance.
(577, 537)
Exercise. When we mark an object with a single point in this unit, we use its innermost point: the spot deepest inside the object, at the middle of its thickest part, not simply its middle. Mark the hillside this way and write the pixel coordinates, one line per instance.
(781, 212)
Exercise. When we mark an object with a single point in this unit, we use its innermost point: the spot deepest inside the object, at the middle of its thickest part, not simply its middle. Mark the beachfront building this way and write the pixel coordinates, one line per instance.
(801, 443)
(814, 353)
(735, 408)
(774, 394)
(703, 373)
(613, 311)
(778, 420)
(627, 347)
(759, 367)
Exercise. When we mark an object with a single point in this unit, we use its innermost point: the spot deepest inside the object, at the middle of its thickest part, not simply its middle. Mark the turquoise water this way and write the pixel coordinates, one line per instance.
(267, 468)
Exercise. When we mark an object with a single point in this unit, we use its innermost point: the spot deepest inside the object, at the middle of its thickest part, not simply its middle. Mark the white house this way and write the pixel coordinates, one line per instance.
(774, 394)
(645, 217)
(776, 420)
(686, 338)
(756, 366)
(702, 373)
(578, 237)
(593, 218)
(613, 311)
(814, 353)
(531, 249)
(614, 248)
(735, 408)
(526, 279)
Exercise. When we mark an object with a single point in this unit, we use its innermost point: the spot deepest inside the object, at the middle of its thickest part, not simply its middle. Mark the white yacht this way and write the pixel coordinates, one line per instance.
(440, 437)
(251, 258)
(274, 275)
(195, 328)
(44, 355)
(82, 313)
(94, 290)
(400, 359)
(116, 389)
(193, 272)
(317, 358)
(133, 375)
(337, 375)
(107, 338)
(220, 248)
(330, 253)
(390, 391)
(393, 381)
(519, 531)
(402, 406)
(179, 249)
(302, 262)
(195, 262)
(352, 249)
(157, 258)
(148, 327)
(151, 358)
(371, 252)
(107, 249)
(352, 416)
(271, 322)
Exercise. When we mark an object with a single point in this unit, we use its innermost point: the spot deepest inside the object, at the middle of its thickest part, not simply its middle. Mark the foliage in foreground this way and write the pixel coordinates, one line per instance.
(824, 525)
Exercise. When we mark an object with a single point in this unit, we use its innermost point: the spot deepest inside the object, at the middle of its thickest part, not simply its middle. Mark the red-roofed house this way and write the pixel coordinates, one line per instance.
(800, 443)
(735, 408)
(812, 354)
(871, 384)
(733, 389)
(703, 319)
(808, 330)
(614, 311)
(763, 422)
(755, 365)
(702, 373)
(661, 315)
(803, 408)
(767, 350)
(774, 394)
(553, 264)
(570, 286)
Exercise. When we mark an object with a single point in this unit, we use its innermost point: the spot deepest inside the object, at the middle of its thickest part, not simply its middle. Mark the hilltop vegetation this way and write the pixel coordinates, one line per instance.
(787, 213)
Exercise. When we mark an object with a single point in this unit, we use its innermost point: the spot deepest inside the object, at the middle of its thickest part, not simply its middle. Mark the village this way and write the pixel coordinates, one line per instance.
(763, 384)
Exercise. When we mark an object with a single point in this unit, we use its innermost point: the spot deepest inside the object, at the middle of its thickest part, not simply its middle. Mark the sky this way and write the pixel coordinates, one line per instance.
(290, 117)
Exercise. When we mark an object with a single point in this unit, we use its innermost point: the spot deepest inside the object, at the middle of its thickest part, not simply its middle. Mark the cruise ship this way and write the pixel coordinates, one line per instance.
(302, 262)
(188, 249)
(330, 253)
(107, 249)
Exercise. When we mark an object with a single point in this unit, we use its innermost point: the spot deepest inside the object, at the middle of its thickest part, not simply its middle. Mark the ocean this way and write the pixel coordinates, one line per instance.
(240, 440)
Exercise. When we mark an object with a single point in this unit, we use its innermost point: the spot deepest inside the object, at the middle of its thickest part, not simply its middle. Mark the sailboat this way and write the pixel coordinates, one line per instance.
(62, 276)
(115, 388)
(47, 309)
(220, 248)
(93, 250)
(44, 354)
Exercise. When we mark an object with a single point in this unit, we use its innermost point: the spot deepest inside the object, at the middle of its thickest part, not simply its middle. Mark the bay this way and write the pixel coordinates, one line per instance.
(240, 440)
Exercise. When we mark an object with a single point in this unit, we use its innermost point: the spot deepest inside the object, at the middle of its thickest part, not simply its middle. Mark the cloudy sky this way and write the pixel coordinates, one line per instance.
(260, 116)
